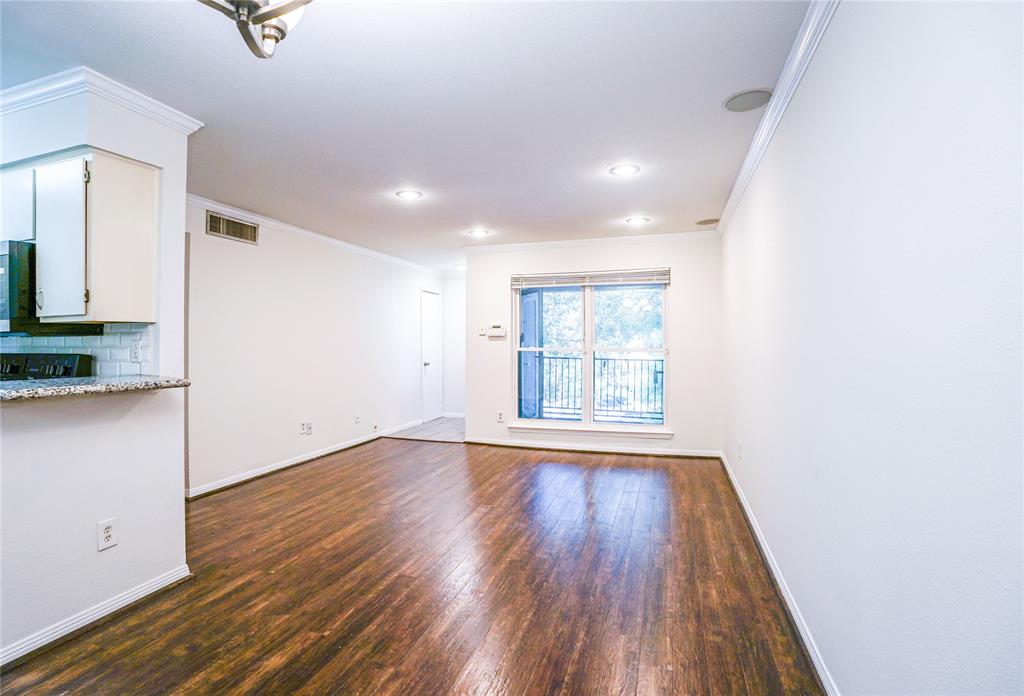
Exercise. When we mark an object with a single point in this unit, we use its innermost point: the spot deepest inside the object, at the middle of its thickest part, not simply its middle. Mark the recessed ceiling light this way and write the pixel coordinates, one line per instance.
(637, 220)
(478, 232)
(748, 100)
(624, 170)
(708, 221)
(409, 194)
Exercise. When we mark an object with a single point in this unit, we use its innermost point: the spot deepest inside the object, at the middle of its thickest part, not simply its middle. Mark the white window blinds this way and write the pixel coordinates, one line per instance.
(645, 276)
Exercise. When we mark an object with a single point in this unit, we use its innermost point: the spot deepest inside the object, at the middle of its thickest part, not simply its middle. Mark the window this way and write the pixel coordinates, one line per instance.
(551, 353)
(591, 347)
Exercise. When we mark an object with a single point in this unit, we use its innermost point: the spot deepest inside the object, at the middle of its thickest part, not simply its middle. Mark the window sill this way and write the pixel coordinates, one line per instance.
(656, 432)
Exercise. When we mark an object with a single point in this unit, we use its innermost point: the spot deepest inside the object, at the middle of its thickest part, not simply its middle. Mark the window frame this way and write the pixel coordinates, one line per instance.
(588, 349)
(518, 350)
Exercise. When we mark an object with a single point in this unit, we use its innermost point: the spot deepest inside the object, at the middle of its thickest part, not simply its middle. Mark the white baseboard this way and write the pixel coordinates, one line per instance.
(83, 618)
(587, 447)
(299, 459)
(805, 632)
(453, 415)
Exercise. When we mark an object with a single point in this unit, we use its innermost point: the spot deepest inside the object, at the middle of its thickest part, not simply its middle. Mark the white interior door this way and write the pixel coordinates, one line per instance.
(431, 341)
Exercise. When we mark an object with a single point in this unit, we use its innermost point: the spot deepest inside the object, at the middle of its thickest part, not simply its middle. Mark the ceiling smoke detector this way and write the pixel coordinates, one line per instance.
(748, 100)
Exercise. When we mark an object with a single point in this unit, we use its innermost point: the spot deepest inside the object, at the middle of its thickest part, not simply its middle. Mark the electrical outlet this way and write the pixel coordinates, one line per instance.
(501, 416)
(106, 534)
(357, 420)
(135, 352)
(305, 428)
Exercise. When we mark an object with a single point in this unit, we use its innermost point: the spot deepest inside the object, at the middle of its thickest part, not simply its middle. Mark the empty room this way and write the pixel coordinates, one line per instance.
(582, 348)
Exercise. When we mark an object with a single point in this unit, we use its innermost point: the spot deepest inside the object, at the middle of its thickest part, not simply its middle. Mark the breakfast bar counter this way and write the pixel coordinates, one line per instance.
(19, 390)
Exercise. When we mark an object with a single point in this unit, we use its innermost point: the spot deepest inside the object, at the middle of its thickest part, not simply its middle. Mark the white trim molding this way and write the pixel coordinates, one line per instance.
(452, 414)
(590, 447)
(594, 241)
(284, 464)
(655, 432)
(86, 617)
(794, 610)
(257, 219)
(816, 20)
(85, 80)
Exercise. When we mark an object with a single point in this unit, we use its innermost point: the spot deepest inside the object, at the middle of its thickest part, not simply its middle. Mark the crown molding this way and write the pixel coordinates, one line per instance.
(257, 219)
(596, 241)
(85, 80)
(816, 20)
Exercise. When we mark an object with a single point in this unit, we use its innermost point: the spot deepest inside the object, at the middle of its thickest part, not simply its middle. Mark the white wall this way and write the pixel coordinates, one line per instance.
(301, 328)
(68, 463)
(872, 280)
(453, 295)
(693, 328)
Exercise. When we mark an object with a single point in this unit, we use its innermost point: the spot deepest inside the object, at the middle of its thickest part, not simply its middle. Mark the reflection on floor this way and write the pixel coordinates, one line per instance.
(437, 430)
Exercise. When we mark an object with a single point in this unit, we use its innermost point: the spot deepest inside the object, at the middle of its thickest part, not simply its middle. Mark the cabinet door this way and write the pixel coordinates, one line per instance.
(17, 210)
(60, 238)
(121, 230)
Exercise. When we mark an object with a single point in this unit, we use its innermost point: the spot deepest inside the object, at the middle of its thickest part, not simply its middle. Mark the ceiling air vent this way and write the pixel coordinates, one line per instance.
(221, 226)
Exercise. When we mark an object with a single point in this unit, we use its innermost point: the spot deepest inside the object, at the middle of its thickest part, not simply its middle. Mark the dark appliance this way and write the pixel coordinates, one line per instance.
(18, 292)
(44, 365)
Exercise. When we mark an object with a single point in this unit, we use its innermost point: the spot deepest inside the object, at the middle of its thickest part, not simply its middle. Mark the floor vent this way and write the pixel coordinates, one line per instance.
(220, 226)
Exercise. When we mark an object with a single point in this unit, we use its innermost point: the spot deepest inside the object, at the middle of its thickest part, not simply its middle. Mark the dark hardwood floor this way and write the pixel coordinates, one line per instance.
(403, 567)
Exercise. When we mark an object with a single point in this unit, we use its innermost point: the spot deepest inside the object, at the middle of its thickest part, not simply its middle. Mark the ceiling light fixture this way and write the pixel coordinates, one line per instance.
(478, 232)
(261, 23)
(708, 221)
(624, 170)
(637, 220)
(748, 100)
(409, 194)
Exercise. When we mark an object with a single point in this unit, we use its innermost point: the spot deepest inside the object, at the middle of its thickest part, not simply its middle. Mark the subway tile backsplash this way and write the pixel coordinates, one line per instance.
(111, 352)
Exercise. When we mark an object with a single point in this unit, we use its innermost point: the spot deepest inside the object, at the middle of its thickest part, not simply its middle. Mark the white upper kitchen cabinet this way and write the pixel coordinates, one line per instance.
(60, 238)
(95, 230)
(17, 204)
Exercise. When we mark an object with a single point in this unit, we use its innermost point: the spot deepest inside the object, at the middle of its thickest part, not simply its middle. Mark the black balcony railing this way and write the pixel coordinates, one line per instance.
(562, 393)
(629, 390)
(626, 390)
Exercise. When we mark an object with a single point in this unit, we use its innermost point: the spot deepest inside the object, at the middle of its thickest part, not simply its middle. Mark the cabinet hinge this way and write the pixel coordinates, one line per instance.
(88, 176)
(86, 296)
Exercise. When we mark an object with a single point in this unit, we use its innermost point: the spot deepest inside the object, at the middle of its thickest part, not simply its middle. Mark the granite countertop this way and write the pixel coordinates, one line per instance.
(18, 390)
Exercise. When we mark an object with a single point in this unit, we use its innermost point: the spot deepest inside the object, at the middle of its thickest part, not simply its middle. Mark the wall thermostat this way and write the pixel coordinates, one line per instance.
(495, 331)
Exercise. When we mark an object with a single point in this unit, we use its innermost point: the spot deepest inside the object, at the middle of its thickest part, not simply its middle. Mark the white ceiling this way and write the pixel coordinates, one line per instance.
(507, 115)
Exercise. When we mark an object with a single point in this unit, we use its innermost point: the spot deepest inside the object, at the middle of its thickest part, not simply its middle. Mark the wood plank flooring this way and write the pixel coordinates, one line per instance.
(403, 567)
(437, 430)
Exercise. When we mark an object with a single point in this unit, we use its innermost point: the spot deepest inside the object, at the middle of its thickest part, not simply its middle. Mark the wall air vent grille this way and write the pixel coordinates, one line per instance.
(220, 226)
